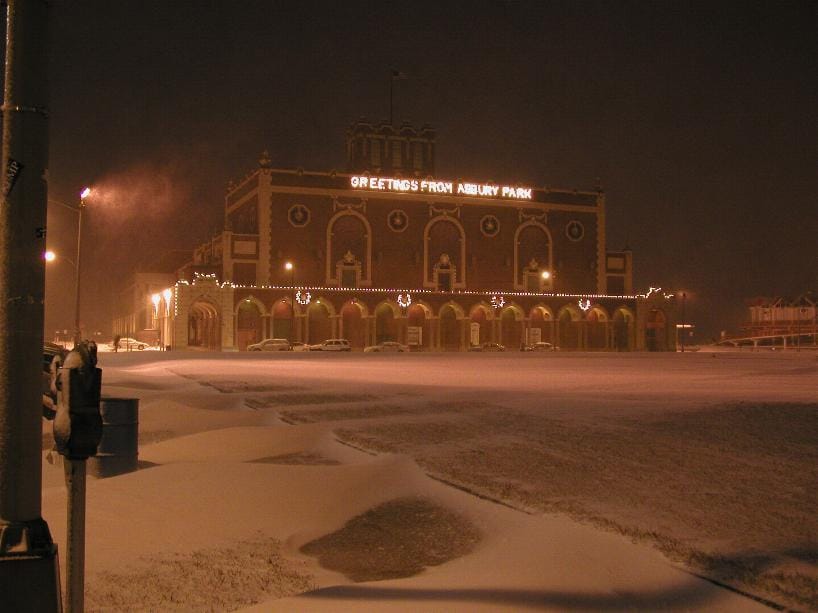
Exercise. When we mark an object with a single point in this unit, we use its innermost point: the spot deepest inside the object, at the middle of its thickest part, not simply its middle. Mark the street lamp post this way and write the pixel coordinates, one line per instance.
(289, 266)
(77, 266)
(684, 329)
(85, 193)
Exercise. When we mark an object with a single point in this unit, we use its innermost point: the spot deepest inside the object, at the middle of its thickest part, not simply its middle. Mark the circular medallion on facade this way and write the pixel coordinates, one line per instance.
(397, 221)
(489, 225)
(574, 230)
(299, 215)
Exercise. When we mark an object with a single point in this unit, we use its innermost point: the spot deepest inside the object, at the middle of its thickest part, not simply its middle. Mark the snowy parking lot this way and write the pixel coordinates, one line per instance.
(709, 458)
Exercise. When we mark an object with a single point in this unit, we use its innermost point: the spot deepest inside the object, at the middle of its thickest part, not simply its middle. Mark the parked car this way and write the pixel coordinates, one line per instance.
(487, 347)
(270, 344)
(332, 344)
(386, 346)
(539, 346)
(131, 344)
(544, 346)
(299, 346)
(50, 351)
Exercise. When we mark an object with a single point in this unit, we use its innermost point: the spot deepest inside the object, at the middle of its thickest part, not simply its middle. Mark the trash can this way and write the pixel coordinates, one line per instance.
(118, 450)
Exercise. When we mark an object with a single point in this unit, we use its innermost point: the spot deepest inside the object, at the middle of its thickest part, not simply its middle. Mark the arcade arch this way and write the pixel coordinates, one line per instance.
(204, 325)
(541, 318)
(249, 322)
(418, 316)
(353, 323)
(623, 329)
(282, 320)
(449, 323)
(569, 325)
(481, 315)
(511, 326)
(656, 331)
(596, 328)
(386, 325)
(319, 324)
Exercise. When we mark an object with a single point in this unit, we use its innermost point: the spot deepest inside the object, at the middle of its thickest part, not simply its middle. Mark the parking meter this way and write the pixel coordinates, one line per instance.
(78, 423)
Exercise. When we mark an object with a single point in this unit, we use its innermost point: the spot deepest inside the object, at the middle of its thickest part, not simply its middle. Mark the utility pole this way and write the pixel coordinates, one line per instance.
(29, 577)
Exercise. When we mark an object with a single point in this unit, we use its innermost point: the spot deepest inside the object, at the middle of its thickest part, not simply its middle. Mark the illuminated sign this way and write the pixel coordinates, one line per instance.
(425, 186)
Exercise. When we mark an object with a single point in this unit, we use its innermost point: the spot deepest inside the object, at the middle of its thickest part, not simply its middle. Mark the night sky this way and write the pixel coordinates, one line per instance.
(699, 120)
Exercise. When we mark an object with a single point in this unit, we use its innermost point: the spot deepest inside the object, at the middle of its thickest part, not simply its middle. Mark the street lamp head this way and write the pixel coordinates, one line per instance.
(288, 266)
(546, 274)
(85, 193)
(49, 256)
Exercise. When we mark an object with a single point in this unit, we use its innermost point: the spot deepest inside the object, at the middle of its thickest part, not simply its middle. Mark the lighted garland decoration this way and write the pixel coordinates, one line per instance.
(584, 305)
(498, 301)
(404, 300)
(303, 299)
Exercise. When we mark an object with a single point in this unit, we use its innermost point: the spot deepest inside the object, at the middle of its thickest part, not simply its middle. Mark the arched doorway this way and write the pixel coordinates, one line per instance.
(318, 323)
(480, 316)
(540, 318)
(416, 317)
(569, 329)
(283, 320)
(204, 326)
(596, 323)
(386, 328)
(655, 333)
(623, 329)
(248, 324)
(449, 329)
(352, 324)
(511, 328)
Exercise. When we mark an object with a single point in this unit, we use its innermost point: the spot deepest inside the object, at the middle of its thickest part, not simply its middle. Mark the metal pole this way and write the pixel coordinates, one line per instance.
(75, 536)
(77, 332)
(684, 300)
(29, 580)
(292, 305)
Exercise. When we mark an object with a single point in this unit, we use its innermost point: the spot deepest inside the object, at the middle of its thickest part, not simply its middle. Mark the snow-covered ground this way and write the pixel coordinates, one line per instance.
(549, 481)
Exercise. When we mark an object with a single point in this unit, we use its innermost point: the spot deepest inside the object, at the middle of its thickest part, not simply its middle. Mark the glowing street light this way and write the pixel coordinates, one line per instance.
(546, 275)
(83, 197)
(49, 256)
(288, 266)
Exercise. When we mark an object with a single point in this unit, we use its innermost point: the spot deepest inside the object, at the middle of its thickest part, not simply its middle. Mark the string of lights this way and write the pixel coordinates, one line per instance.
(426, 291)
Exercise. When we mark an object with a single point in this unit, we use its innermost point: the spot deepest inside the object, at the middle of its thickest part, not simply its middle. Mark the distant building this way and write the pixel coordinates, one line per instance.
(781, 320)
(389, 251)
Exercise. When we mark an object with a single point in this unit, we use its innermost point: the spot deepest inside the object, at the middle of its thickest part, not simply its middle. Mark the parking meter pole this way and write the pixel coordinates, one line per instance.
(29, 580)
(75, 471)
(77, 432)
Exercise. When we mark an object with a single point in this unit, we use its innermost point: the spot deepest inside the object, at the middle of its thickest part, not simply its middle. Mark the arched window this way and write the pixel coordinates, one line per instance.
(532, 258)
(444, 254)
(349, 250)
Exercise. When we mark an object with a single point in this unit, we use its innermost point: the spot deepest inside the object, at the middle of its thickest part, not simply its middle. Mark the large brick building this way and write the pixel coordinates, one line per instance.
(390, 251)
